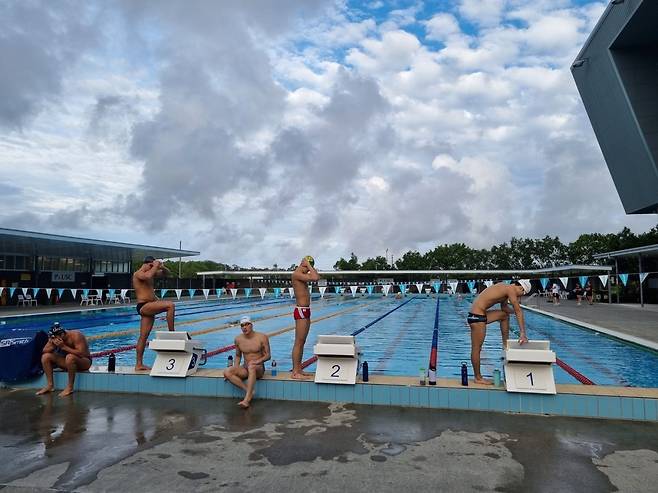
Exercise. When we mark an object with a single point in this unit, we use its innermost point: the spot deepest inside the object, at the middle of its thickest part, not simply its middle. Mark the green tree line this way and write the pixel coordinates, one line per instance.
(519, 253)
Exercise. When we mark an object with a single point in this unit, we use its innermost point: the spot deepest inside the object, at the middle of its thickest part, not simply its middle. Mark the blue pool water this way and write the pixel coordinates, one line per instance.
(398, 344)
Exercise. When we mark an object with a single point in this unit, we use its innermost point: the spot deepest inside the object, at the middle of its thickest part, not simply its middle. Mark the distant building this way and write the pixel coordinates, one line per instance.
(30, 259)
(617, 76)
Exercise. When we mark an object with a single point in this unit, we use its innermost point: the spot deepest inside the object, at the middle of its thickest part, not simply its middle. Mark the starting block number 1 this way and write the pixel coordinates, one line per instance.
(527, 379)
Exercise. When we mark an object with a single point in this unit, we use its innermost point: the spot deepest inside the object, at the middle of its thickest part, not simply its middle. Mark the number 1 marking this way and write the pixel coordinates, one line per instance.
(532, 383)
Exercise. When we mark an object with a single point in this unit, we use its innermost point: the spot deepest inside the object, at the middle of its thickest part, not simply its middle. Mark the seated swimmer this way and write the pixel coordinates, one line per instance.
(255, 347)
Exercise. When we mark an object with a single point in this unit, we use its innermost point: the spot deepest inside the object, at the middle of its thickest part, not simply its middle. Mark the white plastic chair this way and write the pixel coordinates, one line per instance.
(30, 300)
(85, 300)
(22, 301)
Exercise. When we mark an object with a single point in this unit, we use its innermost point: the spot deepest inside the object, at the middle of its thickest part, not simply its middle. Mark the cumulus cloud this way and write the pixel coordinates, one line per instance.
(258, 131)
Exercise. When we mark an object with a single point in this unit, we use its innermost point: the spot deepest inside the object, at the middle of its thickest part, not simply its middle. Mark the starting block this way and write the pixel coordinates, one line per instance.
(177, 354)
(528, 367)
(338, 360)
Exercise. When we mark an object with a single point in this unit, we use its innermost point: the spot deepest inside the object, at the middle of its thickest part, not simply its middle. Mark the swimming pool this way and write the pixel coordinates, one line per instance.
(398, 344)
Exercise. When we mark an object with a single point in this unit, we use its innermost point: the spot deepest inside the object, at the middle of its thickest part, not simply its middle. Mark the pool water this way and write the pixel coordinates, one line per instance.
(398, 344)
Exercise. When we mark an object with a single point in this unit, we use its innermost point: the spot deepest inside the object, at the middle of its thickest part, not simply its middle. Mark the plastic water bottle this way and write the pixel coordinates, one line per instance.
(274, 370)
(365, 376)
(230, 361)
(432, 376)
(422, 376)
(464, 374)
(111, 363)
(496, 377)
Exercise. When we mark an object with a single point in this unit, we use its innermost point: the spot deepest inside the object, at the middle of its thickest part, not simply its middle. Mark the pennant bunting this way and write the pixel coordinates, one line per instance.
(163, 292)
(247, 292)
(337, 289)
(643, 276)
(35, 291)
(2, 289)
(219, 292)
(277, 292)
(353, 289)
(11, 292)
(262, 292)
(564, 281)
(85, 293)
(386, 288)
(624, 278)
(74, 292)
(582, 280)
(60, 292)
(544, 282)
(488, 283)
(178, 293)
(437, 287)
(471, 285)
(234, 292)
(370, 287)
(205, 292)
(191, 292)
(604, 279)
(507, 281)
(48, 291)
(24, 291)
(453, 285)
(419, 287)
(291, 292)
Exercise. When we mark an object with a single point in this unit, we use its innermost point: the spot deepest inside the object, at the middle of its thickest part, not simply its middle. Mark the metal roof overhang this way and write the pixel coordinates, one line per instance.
(13, 241)
(629, 252)
(388, 273)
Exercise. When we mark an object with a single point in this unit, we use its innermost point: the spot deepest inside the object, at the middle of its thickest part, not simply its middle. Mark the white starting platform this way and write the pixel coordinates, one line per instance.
(177, 354)
(529, 367)
(338, 359)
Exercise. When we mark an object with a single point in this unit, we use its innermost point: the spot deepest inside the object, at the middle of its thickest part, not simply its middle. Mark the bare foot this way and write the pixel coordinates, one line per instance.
(142, 368)
(45, 390)
(243, 404)
(67, 391)
(483, 381)
(300, 376)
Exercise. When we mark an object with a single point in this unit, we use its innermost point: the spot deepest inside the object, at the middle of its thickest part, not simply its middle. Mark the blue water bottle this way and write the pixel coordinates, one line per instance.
(464, 374)
(365, 375)
(274, 371)
(230, 361)
(496, 378)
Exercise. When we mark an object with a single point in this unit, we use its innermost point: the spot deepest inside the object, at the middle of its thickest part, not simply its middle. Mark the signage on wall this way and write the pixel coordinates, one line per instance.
(63, 276)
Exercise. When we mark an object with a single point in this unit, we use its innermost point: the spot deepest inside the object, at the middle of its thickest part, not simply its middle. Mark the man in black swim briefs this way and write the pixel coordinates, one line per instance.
(148, 306)
(481, 315)
(65, 349)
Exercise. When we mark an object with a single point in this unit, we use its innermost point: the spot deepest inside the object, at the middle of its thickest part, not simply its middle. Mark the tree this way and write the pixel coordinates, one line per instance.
(351, 264)
(377, 263)
(411, 260)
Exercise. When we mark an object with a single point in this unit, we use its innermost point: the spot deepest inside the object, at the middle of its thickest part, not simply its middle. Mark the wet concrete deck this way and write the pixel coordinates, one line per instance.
(120, 442)
(631, 320)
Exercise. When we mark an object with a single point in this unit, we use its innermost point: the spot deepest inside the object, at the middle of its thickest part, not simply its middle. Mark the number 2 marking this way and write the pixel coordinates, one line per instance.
(170, 366)
(531, 380)
(335, 373)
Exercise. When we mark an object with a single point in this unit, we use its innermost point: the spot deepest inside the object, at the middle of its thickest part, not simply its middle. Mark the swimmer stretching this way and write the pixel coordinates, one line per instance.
(480, 316)
(148, 306)
(301, 276)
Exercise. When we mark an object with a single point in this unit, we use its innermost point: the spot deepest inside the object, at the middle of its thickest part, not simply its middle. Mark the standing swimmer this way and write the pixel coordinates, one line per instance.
(148, 306)
(301, 276)
(480, 316)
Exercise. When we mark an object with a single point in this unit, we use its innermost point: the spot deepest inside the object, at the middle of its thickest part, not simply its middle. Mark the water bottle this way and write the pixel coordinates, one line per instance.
(111, 363)
(422, 376)
(432, 376)
(274, 371)
(464, 374)
(365, 376)
(496, 377)
(230, 361)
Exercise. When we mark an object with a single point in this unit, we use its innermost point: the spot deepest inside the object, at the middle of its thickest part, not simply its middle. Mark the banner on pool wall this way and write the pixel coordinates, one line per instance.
(386, 288)
(604, 280)
(262, 292)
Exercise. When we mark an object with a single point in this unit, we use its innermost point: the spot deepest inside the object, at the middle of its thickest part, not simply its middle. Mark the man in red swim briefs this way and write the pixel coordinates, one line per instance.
(301, 276)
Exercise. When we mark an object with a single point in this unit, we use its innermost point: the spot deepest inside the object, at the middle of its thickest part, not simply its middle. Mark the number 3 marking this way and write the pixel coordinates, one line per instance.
(335, 373)
(170, 366)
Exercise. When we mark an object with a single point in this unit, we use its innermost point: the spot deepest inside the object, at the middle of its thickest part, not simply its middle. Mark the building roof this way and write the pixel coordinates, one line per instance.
(14, 241)
(628, 252)
(564, 269)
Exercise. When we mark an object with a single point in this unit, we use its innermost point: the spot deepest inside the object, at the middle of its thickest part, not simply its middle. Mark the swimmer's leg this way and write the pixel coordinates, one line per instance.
(49, 361)
(145, 326)
(478, 333)
(302, 327)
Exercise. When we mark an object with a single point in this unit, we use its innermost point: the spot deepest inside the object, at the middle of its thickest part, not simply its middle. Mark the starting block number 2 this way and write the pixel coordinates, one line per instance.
(336, 369)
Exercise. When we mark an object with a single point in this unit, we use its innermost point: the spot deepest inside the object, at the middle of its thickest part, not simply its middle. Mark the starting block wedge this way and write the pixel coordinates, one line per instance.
(529, 367)
(338, 359)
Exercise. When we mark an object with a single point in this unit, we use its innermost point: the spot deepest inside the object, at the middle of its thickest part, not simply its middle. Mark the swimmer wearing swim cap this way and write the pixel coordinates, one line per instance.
(301, 276)
(480, 315)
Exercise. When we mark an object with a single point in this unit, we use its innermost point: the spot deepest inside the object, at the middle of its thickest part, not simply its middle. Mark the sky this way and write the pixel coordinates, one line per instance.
(260, 131)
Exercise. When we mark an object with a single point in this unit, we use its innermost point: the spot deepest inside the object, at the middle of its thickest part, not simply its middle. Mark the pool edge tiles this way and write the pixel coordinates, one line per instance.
(638, 404)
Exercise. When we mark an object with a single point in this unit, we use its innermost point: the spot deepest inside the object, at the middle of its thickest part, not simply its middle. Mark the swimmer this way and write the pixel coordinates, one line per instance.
(301, 276)
(148, 306)
(255, 347)
(480, 316)
(65, 349)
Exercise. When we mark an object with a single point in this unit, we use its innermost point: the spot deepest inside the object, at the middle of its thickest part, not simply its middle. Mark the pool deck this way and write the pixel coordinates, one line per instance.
(98, 442)
(629, 322)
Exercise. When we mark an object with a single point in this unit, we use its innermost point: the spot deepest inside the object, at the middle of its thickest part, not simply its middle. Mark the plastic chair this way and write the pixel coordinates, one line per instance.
(22, 301)
(30, 300)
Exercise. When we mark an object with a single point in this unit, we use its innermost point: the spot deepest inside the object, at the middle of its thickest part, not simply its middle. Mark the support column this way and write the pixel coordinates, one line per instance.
(641, 290)
(617, 278)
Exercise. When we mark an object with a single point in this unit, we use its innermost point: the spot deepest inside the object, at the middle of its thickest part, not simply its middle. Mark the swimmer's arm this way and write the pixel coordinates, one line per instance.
(298, 276)
(163, 271)
(49, 347)
(313, 274)
(149, 274)
(519, 317)
(266, 352)
(79, 349)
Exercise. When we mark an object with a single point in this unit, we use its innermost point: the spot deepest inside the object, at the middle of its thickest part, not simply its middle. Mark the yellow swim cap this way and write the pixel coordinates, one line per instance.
(310, 260)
